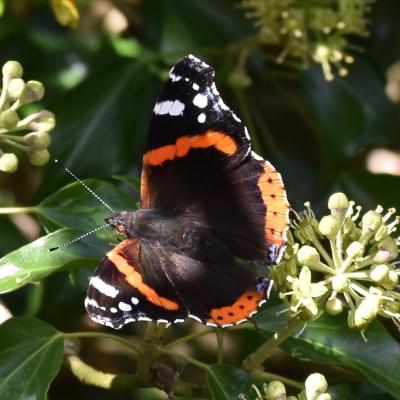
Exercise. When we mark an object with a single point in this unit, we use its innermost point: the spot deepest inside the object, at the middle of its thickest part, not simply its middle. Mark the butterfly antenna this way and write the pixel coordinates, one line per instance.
(69, 242)
(85, 186)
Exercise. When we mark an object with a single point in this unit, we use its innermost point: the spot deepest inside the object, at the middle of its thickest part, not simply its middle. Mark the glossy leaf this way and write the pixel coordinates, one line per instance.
(329, 340)
(31, 353)
(33, 262)
(226, 383)
(73, 206)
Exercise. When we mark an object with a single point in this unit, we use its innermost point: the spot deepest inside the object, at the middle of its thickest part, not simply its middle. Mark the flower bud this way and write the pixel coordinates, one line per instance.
(388, 250)
(392, 306)
(371, 222)
(12, 69)
(9, 119)
(16, 88)
(39, 157)
(355, 249)
(308, 255)
(275, 390)
(379, 272)
(34, 91)
(339, 283)
(315, 385)
(45, 122)
(338, 204)
(38, 140)
(334, 306)
(324, 396)
(329, 226)
(366, 311)
(391, 280)
(8, 163)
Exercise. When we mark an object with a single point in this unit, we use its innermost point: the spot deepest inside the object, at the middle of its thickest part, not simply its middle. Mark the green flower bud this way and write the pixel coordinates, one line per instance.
(391, 280)
(334, 306)
(355, 249)
(8, 163)
(379, 272)
(338, 203)
(39, 157)
(315, 385)
(34, 91)
(391, 306)
(16, 88)
(9, 119)
(38, 140)
(329, 226)
(366, 311)
(275, 390)
(12, 70)
(308, 255)
(388, 250)
(371, 222)
(46, 121)
(340, 283)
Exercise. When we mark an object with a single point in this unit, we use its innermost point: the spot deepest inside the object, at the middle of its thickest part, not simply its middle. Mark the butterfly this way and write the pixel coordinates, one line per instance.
(213, 215)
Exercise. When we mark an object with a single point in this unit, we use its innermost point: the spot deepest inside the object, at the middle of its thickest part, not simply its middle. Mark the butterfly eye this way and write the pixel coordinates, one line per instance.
(121, 229)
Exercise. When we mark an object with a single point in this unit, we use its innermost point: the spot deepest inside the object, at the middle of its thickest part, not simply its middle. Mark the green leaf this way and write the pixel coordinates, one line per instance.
(329, 340)
(34, 261)
(227, 382)
(101, 123)
(350, 114)
(31, 353)
(73, 206)
(369, 190)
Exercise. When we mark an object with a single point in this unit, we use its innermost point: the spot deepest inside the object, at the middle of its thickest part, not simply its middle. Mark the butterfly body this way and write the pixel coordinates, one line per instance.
(213, 216)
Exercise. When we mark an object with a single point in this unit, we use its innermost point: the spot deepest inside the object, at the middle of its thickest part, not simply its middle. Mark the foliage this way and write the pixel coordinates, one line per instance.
(102, 63)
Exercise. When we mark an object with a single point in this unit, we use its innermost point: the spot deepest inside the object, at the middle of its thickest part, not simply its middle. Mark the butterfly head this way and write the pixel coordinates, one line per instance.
(122, 221)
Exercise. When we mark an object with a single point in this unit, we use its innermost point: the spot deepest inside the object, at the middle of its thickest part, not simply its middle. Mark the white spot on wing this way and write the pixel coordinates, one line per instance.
(103, 287)
(146, 319)
(8, 270)
(174, 77)
(195, 86)
(201, 118)
(246, 133)
(194, 317)
(256, 156)
(178, 321)
(135, 300)
(124, 306)
(171, 107)
(200, 100)
(113, 310)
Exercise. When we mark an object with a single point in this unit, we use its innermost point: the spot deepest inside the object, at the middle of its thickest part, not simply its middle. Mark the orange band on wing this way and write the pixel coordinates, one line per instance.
(135, 279)
(239, 310)
(274, 197)
(219, 140)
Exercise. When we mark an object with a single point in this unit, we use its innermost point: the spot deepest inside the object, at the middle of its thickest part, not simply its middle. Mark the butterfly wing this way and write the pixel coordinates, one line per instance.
(198, 161)
(145, 281)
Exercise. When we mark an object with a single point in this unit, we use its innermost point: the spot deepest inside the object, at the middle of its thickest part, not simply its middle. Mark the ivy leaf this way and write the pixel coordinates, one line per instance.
(31, 353)
(73, 206)
(226, 383)
(329, 340)
(34, 261)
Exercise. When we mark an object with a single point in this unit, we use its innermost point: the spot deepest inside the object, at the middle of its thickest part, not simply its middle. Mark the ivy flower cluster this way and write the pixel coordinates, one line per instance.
(344, 262)
(29, 135)
(315, 388)
(315, 32)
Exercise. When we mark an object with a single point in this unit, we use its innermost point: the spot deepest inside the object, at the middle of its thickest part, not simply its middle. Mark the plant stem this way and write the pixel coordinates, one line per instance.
(189, 337)
(183, 357)
(254, 360)
(18, 210)
(220, 339)
(268, 376)
(133, 345)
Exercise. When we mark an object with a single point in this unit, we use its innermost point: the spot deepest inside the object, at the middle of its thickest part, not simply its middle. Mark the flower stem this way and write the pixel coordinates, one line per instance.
(268, 376)
(254, 360)
(133, 345)
(18, 210)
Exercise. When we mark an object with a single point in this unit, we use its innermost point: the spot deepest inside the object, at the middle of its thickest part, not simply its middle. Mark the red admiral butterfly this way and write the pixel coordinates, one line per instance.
(212, 212)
